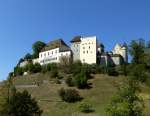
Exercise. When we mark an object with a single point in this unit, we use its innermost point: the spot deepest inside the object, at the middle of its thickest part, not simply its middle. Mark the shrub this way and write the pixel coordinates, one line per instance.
(57, 81)
(69, 95)
(53, 73)
(86, 70)
(86, 108)
(76, 67)
(80, 80)
(112, 72)
(18, 71)
(44, 69)
(65, 64)
(69, 81)
(37, 68)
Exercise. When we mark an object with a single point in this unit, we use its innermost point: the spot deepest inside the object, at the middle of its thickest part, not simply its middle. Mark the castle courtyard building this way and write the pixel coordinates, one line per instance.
(84, 49)
(53, 52)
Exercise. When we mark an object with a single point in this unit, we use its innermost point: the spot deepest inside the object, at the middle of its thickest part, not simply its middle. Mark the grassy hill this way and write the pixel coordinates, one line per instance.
(102, 89)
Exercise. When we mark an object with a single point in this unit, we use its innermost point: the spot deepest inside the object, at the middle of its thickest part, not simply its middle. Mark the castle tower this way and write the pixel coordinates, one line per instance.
(121, 50)
(75, 47)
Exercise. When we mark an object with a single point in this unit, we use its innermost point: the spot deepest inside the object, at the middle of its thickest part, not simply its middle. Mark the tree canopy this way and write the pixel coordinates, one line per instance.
(37, 47)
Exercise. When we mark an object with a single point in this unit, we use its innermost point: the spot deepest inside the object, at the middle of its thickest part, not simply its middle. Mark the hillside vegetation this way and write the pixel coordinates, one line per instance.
(99, 94)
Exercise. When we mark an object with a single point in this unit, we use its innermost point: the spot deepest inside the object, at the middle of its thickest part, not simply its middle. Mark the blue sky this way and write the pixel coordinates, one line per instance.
(22, 22)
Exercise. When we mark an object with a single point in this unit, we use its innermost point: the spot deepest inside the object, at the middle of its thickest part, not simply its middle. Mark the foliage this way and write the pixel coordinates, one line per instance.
(18, 71)
(69, 82)
(22, 104)
(123, 69)
(33, 68)
(112, 71)
(37, 47)
(69, 95)
(37, 67)
(86, 108)
(80, 80)
(49, 67)
(76, 67)
(57, 81)
(136, 50)
(28, 56)
(86, 70)
(65, 64)
(126, 101)
(54, 73)
(138, 72)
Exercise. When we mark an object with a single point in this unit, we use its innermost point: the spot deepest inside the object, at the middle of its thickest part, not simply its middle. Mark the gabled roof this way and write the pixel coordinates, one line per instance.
(76, 39)
(59, 43)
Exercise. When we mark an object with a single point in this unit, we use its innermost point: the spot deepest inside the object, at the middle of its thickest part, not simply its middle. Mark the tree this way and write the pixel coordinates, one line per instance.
(28, 56)
(18, 71)
(126, 101)
(37, 47)
(136, 50)
(22, 104)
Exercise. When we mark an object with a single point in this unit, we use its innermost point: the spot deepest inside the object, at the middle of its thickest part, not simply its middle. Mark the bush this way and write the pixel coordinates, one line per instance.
(54, 73)
(65, 64)
(86, 70)
(86, 108)
(112, 72)
(18, 71)
(37, 68)
(80, 80)
(69, 95)
(76, 67)
(57, 81)
(69, 81)
(49, 67)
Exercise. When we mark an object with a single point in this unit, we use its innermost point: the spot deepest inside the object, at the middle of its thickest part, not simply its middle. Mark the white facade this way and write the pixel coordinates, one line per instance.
(121, 50)
(88, 50)
(35, 60)
(116, 60)
(85, 50)
(52, 56)
(23, 64)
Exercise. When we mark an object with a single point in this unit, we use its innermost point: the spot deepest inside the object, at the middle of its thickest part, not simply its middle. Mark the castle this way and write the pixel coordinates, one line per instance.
(86, 49)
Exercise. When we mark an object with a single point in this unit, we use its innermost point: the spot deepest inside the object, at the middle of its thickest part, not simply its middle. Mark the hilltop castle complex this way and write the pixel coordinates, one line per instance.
(86, 49)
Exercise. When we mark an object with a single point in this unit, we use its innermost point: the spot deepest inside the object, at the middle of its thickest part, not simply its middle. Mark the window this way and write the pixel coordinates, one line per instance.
(66, 54)
(89, 47)
(83, 47)
(48, 53)
(83, 60)
(87, 52)
(83, 52)
(52, 52)
(44, 54)
(56, 51)
(41, 55)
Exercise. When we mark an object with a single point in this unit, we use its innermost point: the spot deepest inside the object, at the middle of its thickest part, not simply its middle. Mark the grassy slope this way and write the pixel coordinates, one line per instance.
(103, 87)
